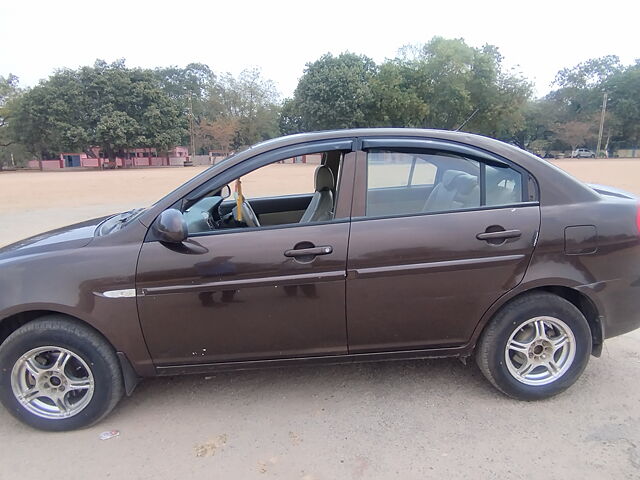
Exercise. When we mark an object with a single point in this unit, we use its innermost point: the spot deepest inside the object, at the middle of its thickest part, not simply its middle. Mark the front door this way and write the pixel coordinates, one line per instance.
(436, 238)
(245, 293)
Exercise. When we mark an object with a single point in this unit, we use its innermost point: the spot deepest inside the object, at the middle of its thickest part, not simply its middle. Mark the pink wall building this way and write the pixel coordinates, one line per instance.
(137, 157)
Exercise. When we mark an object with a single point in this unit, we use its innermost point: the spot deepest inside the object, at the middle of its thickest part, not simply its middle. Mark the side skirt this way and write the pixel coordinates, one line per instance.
(462, 352)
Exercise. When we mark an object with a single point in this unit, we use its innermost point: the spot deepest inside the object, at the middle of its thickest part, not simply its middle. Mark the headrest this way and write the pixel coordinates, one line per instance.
(324, 178)
(460, 181)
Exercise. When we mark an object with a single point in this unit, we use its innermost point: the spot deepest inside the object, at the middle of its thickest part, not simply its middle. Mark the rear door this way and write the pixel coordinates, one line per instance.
(429, 254)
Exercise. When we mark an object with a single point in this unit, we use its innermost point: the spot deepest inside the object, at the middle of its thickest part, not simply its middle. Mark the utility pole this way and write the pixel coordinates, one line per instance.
(191, 129)
(604, 110)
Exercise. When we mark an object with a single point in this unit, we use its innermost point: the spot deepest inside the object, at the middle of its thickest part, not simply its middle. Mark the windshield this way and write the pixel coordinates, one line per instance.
(194, 179)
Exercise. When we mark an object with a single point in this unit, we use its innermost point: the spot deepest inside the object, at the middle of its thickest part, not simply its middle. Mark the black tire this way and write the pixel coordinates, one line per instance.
(490, 353)
(82, 341)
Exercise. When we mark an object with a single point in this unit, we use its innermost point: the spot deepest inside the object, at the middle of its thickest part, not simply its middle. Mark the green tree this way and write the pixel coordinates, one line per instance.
(395, 103)
(623, 88)
(439, 84)
(10, 150)
(189, 88)
(577, 133)
(334, 92)
(538, 132)
(455, 80)
(8, 91)
(568, 117)
(249, 103)
(185, 84)
(107, 105)
(580, 88)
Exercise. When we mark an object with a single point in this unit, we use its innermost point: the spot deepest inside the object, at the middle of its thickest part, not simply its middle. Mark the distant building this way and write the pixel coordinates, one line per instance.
(136, 157)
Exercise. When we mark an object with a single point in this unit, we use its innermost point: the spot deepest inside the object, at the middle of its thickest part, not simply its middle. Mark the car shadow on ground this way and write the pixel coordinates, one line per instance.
(440, 378)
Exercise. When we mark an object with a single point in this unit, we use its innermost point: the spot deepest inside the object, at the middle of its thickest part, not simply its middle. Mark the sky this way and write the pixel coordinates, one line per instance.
(537, 38)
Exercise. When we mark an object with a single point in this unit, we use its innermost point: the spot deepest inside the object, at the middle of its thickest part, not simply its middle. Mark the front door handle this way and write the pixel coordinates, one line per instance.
(499, 235)
(309, 252)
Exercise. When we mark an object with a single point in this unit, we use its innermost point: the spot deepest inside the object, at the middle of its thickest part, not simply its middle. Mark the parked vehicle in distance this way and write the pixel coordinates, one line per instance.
(413, 244)
(583, 153)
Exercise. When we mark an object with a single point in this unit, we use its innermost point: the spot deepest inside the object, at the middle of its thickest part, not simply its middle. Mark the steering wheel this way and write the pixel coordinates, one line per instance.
(247, 215)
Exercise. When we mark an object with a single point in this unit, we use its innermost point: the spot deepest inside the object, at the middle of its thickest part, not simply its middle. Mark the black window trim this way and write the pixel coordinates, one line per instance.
(483, 184)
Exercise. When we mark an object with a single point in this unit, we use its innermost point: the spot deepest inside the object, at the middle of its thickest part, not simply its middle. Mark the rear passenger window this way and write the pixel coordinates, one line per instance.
(503, 186)
(388, 169)
(401, 183)
(424, 172)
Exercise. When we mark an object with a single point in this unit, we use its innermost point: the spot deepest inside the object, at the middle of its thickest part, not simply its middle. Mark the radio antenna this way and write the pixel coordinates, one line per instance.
(469, 118)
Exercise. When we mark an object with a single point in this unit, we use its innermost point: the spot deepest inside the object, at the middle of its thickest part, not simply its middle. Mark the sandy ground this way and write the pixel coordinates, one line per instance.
(408, 420)
(34, 202)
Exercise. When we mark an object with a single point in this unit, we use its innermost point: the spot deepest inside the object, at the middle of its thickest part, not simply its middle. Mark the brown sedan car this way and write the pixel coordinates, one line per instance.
(413, 243)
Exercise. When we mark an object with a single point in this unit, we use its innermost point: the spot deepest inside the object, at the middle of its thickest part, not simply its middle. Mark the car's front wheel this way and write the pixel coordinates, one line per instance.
(58, 374)
(535, 347)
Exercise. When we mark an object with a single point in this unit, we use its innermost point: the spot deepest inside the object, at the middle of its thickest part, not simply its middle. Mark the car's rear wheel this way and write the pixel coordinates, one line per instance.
(535, 347)
(59, 374)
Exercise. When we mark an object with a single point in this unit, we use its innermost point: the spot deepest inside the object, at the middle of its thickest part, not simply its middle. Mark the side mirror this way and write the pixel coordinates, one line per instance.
(170, 227)
(225, 192)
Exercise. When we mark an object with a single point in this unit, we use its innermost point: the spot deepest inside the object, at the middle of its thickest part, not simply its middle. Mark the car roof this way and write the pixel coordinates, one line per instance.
(462, 137)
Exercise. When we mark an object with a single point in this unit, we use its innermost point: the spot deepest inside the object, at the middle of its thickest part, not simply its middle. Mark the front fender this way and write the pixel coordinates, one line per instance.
(73, 281)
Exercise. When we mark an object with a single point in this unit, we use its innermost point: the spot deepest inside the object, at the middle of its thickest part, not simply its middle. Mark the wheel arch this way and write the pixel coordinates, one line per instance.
(587, 307)
(580, 300)
(11, 323)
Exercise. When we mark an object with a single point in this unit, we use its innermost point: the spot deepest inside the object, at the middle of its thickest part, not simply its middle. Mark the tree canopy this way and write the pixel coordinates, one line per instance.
(439, 84)
(107, 105)
(569, 115)
(334, 92)
(443, 83)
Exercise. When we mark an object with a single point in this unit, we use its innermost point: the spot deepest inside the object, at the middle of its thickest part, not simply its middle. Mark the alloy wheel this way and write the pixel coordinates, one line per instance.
(540, 350)
(52, 382)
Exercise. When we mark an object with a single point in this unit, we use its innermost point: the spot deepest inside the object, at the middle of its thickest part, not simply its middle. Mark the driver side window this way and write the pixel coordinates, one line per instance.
(294, 190)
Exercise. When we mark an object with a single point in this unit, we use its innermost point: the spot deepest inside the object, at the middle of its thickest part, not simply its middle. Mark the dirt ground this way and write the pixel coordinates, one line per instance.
(34, 202)
(408, 420)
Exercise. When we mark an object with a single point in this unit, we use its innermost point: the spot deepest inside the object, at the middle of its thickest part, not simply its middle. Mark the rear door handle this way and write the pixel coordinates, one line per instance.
(499, 235)
(308, 252)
